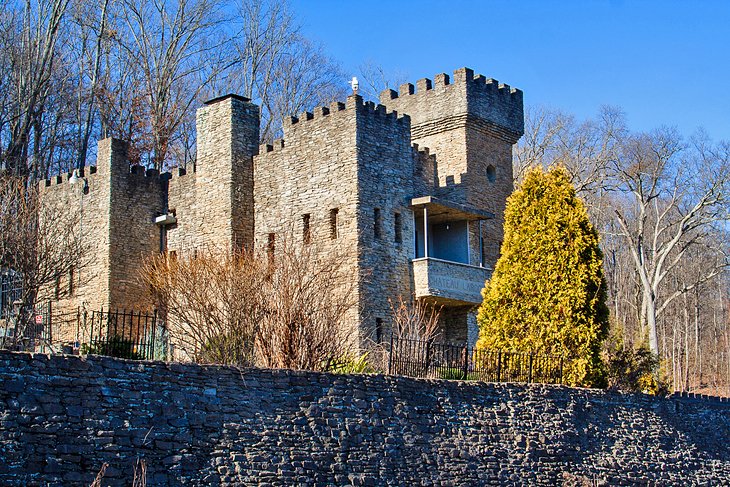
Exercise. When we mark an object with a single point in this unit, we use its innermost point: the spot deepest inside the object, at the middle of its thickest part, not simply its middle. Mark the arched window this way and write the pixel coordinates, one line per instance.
(491, 173)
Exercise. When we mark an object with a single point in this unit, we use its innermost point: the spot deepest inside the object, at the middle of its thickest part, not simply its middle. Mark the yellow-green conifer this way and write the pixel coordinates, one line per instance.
(547, 292)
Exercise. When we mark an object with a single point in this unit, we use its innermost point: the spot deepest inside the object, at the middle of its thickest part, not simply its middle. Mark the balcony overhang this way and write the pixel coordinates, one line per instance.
(440, 210)
(449, 283)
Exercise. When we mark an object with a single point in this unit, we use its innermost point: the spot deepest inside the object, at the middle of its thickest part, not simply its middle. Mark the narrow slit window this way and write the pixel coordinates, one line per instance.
(270, 247)
(333, 222)
(306, 229)
(398, 228)
(379, 330)
(491, 173)
(71, 282)
(378, 224)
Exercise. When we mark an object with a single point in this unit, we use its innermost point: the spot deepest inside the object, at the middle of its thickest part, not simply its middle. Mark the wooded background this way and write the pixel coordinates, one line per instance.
(74, 71)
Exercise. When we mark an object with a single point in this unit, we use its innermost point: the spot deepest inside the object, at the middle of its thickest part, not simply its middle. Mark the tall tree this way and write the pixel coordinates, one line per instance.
(673, 196)
(30, 36)
(547, 293)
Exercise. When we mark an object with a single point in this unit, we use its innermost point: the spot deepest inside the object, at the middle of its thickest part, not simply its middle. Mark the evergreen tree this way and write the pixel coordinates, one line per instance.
(547, 293)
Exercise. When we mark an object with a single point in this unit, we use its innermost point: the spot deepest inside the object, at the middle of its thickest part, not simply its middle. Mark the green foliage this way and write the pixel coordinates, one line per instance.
(632, 369)
(352, 365)
(456, 373)
(114, 346)
(547, 293)
(227, 348)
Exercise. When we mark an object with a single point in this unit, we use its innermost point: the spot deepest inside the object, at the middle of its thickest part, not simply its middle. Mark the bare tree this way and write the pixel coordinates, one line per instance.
(585, 148)
(278, 68)
(179, 50)
(416, 319)
(29, 45)
(39, 242)
(246, 308)
(374, 79)
(672, 202)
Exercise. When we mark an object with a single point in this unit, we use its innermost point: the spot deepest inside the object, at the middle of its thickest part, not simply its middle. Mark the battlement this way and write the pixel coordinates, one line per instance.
(137, 173)
(482, 99)
(355, 104)
(443, 81)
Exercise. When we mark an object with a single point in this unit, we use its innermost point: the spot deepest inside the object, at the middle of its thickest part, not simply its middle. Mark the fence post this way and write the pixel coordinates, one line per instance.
(390, 356)
(428, 357)
(499, 367)
(466, 361)
(529, 373)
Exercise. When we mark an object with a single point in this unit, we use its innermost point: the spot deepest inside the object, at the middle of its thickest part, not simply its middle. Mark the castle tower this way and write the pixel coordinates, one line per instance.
(470, 124)
(116, 207)
(213, 204)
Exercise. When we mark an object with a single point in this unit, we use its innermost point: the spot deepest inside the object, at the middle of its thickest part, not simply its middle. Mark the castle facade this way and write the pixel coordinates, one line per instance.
(413, 188)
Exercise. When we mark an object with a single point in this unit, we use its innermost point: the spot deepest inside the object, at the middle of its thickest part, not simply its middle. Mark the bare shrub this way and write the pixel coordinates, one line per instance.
(308, 297)
(40, 242)
(249, 309)
(211, 303)
(415, 320)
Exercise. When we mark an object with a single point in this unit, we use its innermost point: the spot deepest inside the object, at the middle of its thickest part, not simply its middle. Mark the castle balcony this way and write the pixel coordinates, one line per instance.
(448, 268)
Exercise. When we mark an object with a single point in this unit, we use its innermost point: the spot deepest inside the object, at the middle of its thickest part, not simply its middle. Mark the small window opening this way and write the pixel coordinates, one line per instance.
(71, 282)
(379, 330)
(306, 229)
(491, 173)
(333, 222)
(270, 247)
(398, 228)
(377, 221)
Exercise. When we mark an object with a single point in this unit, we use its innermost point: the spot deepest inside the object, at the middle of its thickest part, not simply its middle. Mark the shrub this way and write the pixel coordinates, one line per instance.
(114, 346)
(547, 294)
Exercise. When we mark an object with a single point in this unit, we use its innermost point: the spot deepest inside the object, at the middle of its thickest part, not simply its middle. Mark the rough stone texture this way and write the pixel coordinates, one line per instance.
(449, 280)
(61, 417)
(117, 228)
(451, 140)
(214, 202)
(355, 158)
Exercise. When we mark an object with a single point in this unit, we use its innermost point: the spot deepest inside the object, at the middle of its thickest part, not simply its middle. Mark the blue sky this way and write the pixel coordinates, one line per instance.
(663, 62)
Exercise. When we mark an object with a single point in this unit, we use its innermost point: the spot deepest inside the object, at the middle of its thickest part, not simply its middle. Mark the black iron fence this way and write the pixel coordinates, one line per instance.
(123, 334)
(426, 359)
(26, 327)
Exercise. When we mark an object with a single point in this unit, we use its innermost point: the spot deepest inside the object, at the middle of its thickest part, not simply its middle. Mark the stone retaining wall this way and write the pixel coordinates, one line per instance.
(61, 417)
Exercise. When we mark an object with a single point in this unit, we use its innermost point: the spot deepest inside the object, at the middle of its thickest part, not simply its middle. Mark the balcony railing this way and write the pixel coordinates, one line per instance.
(450, 282)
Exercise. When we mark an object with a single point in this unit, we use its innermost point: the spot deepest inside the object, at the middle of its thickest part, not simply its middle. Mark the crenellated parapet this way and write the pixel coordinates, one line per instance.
(465, 99)
(338, 116)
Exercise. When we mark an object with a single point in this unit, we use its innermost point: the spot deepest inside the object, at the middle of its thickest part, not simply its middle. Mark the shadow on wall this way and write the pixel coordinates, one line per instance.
(65, 416)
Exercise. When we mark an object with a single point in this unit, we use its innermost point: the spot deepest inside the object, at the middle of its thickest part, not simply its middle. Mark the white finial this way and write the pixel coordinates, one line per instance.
(355, 85)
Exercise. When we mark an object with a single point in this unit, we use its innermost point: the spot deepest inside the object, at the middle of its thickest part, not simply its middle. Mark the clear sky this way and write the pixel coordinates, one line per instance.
(663, 62)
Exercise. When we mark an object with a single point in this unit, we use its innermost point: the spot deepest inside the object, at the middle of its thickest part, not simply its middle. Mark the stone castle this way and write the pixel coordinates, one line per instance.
(413, 188)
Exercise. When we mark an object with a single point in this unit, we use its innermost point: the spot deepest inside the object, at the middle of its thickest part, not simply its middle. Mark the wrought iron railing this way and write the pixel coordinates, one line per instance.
(427, 359)
(124, 334)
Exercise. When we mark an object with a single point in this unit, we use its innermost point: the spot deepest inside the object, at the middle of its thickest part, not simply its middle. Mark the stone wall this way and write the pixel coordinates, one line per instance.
(213, 202)
(62, 417)
(116, 206)
(354, 158)
(469, 123)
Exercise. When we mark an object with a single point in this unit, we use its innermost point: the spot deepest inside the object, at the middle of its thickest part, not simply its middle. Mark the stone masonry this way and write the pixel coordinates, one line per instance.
(62, 417)
(412, 191)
